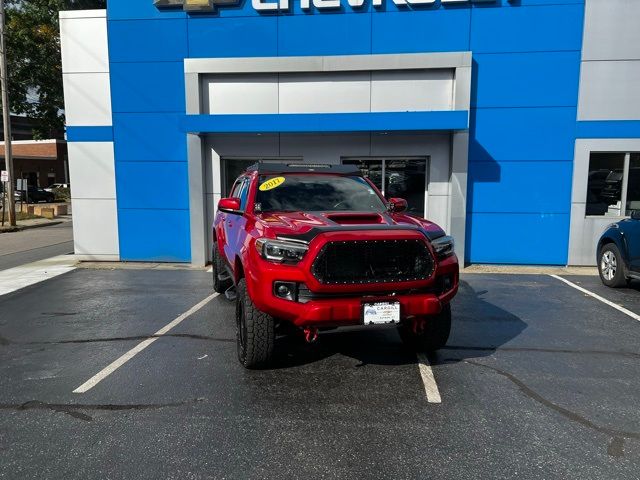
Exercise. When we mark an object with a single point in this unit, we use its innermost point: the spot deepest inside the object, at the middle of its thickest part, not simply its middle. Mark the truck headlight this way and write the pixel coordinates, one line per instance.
(281, 251)
(444, 246)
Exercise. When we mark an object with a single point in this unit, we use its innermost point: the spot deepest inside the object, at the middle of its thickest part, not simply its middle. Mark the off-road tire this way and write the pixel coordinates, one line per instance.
(433, 337)
(610, 257)
(218, 267)
(255, 331)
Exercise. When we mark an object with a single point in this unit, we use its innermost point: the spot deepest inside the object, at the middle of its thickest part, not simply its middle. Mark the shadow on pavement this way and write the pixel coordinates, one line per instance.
(478, 329)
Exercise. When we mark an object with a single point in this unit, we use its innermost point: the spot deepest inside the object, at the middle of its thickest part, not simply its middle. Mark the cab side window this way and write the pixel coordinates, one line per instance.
(244, 193)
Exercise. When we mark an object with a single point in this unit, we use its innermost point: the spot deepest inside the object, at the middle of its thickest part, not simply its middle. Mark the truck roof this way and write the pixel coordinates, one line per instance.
(274, 168)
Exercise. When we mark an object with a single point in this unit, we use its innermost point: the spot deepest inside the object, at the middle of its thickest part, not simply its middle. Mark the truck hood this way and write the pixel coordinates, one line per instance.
(306, 225)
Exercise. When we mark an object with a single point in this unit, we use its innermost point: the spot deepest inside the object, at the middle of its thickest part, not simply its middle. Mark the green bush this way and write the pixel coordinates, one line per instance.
(62, 194)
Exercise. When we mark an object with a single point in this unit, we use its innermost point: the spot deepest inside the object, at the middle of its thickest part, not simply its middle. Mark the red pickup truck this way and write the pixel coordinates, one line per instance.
(318, 247)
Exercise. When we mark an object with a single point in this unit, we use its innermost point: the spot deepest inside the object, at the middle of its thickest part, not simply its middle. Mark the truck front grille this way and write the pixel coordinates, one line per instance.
(372, 261)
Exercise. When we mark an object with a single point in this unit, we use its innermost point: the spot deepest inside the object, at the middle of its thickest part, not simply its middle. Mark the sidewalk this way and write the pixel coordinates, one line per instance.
(34, 223)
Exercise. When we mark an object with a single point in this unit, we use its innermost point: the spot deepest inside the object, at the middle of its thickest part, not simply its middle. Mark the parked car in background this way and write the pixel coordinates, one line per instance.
(619, 252)
(56, 186)
(34, 195)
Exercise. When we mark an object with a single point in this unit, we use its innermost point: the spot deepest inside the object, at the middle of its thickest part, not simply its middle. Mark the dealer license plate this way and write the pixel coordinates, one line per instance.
(381, 313)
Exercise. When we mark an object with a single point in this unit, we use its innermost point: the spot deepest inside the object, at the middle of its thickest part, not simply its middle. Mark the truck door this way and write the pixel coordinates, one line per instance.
(234, 223)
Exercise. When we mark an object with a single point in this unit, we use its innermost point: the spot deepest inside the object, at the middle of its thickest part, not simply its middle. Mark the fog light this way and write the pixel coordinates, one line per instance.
(286, 290)
(283, 290)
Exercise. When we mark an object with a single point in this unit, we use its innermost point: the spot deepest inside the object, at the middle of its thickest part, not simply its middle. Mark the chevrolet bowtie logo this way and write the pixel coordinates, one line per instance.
(193, 5)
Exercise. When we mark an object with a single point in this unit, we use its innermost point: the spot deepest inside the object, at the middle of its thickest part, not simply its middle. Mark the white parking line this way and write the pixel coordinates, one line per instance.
(430, 385)
(16, 278)
(109, 369)
(598, 297)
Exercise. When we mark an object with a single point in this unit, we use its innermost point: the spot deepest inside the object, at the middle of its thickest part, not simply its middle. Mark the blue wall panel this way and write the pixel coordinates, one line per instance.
(522, 134)
(148, 40)
(520, 187)
(519, 238)
(420, 31)
(233, 37)
(152, 185)
(147, 87)
(523, 124)
(154, 235)
(329, 34)
(526, 79)
(138, 9)
(141, 137)
(527, 29)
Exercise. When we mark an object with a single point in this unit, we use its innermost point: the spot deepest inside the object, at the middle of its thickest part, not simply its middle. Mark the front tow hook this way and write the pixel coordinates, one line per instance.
(310, 334)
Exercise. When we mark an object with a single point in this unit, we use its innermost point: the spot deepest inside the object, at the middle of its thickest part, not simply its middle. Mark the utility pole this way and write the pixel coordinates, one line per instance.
(6, 117)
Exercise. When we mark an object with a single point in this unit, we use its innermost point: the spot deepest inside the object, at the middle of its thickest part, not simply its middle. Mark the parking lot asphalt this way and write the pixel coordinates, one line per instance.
(538, 381)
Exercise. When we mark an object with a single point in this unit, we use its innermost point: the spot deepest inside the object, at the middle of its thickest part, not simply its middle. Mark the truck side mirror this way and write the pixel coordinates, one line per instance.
(229, 205)
(397, 205)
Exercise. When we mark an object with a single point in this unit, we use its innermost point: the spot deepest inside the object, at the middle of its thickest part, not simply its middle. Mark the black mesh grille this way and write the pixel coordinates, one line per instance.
(372, 261)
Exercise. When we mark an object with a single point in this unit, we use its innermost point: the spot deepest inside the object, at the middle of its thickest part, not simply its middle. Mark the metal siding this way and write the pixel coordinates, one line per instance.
(527, 29)
(526, 79)
(531, 136)
(154, 235)
(148, 40)
(152, 185)
(149, 137)
(420, 31)
(133, 91)
(233, 37)
(324, 34)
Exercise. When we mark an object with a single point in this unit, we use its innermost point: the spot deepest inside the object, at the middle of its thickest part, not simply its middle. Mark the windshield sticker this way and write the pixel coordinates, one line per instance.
(272, 183)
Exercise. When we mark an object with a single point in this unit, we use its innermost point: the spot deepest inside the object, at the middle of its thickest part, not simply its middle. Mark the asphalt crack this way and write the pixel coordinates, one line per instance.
(4, 341)
(616, 445)
(77, 411)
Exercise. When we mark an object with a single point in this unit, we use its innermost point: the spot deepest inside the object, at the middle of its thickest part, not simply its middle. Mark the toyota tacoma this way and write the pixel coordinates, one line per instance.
(315, 247)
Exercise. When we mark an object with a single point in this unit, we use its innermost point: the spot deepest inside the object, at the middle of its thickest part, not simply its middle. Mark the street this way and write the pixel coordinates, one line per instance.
(539, 380)
(28, 246)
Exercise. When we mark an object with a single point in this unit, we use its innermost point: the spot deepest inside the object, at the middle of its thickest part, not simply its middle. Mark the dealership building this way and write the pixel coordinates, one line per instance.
(514, 124)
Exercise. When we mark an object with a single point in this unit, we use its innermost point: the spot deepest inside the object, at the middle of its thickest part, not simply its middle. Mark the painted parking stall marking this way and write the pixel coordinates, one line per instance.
(598, 297)
(428, 379)
(23, 276)
(109, 369)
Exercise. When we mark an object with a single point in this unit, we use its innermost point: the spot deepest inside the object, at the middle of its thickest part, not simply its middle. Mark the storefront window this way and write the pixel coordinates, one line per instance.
(397, 177)
(633, 185)
(606, 192)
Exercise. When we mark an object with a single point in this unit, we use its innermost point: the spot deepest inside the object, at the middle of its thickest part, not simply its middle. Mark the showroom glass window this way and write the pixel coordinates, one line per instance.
(613, 187)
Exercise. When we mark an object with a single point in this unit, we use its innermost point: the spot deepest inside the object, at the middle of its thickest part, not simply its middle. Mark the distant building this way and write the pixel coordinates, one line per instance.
(41, 162)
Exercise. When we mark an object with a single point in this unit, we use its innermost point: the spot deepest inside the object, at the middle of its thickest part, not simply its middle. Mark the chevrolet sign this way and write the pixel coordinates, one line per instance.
(284, 5)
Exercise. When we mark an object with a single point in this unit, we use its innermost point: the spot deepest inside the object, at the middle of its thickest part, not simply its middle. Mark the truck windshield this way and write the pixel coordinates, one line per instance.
(316, 193)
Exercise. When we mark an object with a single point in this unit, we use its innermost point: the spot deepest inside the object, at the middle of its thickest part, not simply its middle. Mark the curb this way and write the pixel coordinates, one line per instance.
(20, 228)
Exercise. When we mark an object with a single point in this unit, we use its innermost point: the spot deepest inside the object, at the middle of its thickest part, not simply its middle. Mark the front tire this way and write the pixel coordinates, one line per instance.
(255, 331)
(433, 337)
(217, 266)
(610, 266)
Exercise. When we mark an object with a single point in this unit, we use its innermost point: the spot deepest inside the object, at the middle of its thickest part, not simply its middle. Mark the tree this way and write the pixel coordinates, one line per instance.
(34, 64)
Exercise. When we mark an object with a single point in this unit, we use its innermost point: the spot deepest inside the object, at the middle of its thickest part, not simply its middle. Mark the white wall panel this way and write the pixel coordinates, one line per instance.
(92, 170)
(95, 225)
(412, 90)
(229, 94)
(609, 90)
(83, 40)
(611, 30)
(325, 92)
(87, 98)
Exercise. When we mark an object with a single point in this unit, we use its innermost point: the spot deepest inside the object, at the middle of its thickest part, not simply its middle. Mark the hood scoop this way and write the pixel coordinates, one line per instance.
(355, 218)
